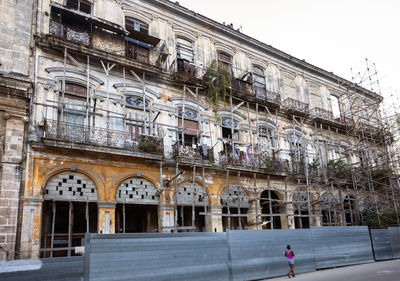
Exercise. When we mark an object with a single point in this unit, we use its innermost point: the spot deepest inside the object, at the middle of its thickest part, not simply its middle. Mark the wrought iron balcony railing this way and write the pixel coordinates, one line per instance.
(254, 161)
(186, 69)
(266, 95)
(103, 137)
(295, 105)
(192, 153)
(80, 35)
(321, 113)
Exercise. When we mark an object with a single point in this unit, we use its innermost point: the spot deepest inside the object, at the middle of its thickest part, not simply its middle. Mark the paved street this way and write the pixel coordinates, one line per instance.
(379, 271)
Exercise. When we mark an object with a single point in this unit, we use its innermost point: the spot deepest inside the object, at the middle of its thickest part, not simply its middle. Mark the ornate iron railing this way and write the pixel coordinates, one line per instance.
(186, 69)
(321, 113)
(266, 95)
(71, 33)
(103, 137)
(254, 161)
(292, 104)
(241, 87)
(192, 153)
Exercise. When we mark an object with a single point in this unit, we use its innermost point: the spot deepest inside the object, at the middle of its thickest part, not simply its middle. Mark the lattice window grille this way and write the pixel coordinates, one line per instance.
(232, 196)
(137, 191)
(71, 186)
(185, 195)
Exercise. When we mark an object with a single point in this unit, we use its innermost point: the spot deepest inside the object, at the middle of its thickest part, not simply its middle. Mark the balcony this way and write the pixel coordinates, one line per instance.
(296, 107)
(241, 87)
(253, 162)
(187, 72)
(89, 35)
(95, 136)
(261, 94)
(189, 154)
(267, 96)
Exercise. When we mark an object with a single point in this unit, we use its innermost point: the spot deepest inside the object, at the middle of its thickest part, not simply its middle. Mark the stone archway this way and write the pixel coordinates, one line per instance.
(137, 206)
(270, 205)
(69, 211)
(191, 199)
(234, 200)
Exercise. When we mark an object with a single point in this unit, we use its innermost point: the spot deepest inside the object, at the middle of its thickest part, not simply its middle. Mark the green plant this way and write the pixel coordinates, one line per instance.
(269, 163)
(218, 81)
(147, 145)
(313, 166)
(371, 218)
(338, 168)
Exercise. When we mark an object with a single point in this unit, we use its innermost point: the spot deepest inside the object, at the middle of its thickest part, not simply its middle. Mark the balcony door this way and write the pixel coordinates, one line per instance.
(75, 104)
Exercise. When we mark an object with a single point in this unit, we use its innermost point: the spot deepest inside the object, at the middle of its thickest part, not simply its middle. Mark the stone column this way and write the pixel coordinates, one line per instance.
(215, 222)
(10, 184)
(168, 218)
(290, 220)
(31, 229)
(106, 217)
(252, 220)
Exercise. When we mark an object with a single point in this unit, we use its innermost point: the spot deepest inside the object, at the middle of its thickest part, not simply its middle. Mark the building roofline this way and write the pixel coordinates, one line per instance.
(268, 49)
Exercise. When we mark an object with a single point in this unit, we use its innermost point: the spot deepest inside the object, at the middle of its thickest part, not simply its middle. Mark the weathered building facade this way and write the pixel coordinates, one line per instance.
(125, 135)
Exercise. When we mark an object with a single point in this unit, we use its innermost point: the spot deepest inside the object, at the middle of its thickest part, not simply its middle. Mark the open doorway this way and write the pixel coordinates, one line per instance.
(70, 221)
(132, 218)
(270, 205)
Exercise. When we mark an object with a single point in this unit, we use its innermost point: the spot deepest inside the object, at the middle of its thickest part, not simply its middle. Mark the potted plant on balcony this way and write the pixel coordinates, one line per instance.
(218, 80)
(147, 145)
(268, 163)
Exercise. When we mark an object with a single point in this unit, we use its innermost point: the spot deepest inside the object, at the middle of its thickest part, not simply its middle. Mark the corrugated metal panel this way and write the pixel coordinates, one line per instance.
(381, 243)
(55, 269)
(158, 256)
(259, 254)
(342, 245)
(394, 234)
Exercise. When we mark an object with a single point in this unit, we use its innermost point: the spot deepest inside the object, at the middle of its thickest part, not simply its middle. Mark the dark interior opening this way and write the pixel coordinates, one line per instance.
(265, 209)
(234, 220)
(185, 217)
(138, 218)
(61, 225)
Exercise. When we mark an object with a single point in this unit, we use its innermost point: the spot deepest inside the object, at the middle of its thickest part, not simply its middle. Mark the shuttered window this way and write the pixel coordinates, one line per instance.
(184, 49)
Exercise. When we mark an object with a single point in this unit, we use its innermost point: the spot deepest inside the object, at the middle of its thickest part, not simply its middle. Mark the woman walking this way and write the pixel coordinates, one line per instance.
(289, 254)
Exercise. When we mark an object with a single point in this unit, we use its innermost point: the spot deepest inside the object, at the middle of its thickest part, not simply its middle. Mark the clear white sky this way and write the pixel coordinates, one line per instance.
(332, 34)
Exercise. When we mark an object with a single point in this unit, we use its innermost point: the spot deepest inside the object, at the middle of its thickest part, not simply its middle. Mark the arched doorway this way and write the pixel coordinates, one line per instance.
(300, 206)
(69, 211)
(350, 209)
(234, 200)
(328, 204)
(270, 205)
(137, 206)
(191, 199)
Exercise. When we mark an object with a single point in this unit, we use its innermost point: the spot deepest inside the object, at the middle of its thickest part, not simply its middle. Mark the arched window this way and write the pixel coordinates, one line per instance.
(75, 97)
(259, 76)
(190, 126)
(135, 47)
(265, 139)
(134, 113)
(335, 106)
(225, 61)
(185, 57)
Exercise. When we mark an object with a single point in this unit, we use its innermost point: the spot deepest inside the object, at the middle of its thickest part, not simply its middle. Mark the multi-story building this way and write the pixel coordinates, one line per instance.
(130, 130)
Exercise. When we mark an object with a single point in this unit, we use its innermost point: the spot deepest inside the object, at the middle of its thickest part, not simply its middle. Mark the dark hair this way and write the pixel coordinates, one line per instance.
(288, 247)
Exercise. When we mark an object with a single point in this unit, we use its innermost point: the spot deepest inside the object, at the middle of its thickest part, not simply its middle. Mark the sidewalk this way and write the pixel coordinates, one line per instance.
(378, 271)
